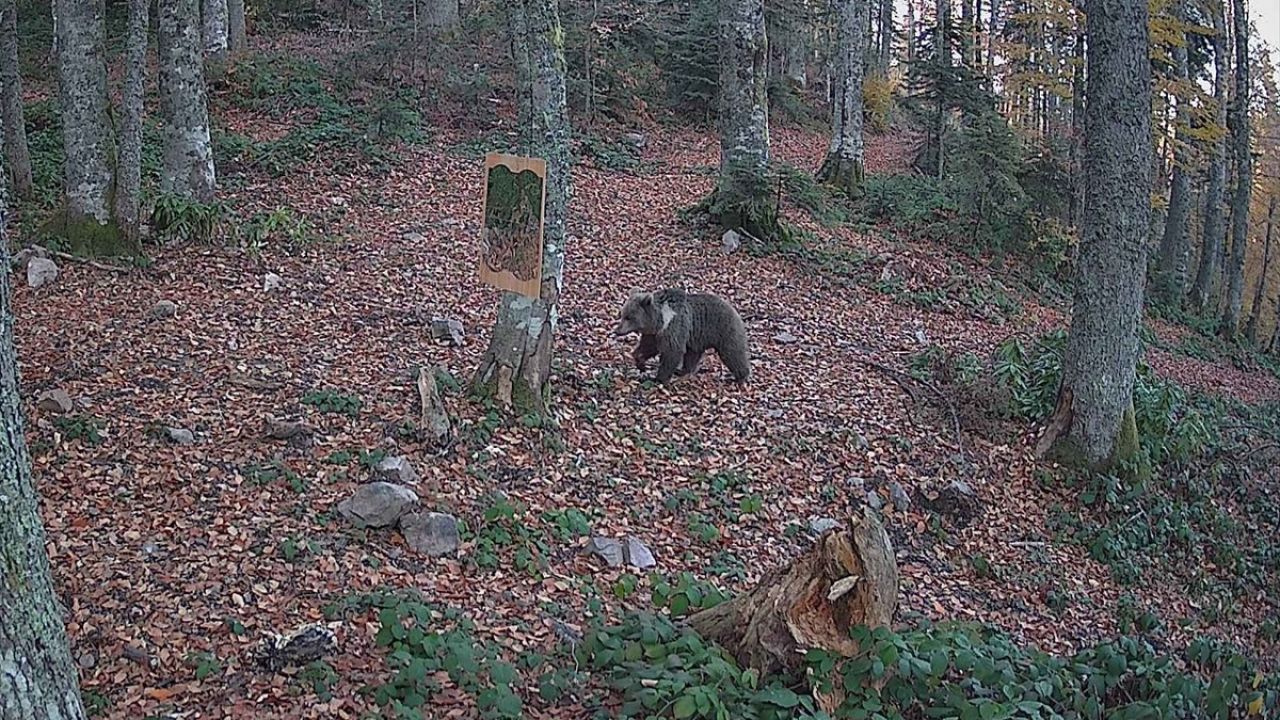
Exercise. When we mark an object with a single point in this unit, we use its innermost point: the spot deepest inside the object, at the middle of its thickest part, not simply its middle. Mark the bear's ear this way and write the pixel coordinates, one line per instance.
(641, 297)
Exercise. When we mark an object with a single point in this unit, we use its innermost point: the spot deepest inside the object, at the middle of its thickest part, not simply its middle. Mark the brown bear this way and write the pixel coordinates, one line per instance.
(678, 327)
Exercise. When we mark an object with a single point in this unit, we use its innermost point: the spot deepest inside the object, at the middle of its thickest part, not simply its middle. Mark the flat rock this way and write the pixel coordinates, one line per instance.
(448, 330)
(181, 436)
(271, 282)
(41, 271)
(396, 469)
(378, 504)
(874, 501)
(54, 401)
(730, 241)
(164, 309)
(819, 525)
(785, 338)
(637, 554)
(607, 548)
(898, 494)
(431, 533)
(23, 257)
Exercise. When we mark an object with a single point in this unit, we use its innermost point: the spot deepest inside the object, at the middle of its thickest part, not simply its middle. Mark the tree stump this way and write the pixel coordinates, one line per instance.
(848, 578)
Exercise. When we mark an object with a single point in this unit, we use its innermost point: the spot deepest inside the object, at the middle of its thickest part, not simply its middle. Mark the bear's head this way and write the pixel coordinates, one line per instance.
(639, 315)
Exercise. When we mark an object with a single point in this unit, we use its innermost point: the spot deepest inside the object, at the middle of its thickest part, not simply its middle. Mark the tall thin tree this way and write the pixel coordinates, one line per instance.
(129, 169)
(188, 151)
(1238, 125)
(1212, 229)
(844, 166)
(1171, 277)
(215, 30)
(237, 35)
(37, 676)
(1093, 424)
(16, 153)
(516, 368)
(1259, 295)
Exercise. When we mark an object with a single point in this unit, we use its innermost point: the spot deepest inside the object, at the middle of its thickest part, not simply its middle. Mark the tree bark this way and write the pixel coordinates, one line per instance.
(215, 30)
(1255, 314)
(742, 197)
(129, 169)
(441, 15)
(1212, 230)
(848, 578)
(237, 35)
(911, 31)
(1078, 100)
(15, 129)
(885, 53)
(516, 368)
(37, 676)
(1093, 424)
(1238, 126)
(89, 171)
(1171, 265)
(188, 152)
(943, 48)
(844, 164)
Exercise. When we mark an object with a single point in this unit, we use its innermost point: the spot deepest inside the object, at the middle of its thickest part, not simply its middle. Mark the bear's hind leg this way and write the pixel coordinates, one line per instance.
(691, 361)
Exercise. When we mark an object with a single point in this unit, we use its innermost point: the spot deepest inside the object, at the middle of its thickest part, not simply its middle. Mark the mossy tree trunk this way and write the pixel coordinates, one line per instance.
(1238, 126)
(237, 34)
(1212, 227)
(516, 368)
(129, 170)
(847, 579)
(37, 676)
(16, 153)
(1093, 425)
(741, 199)
(215, 30)
(188, 152)
(844, 164)
(86, 220)
(1171, 264)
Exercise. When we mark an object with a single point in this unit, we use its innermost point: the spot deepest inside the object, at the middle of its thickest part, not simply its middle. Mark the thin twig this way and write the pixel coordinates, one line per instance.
(91, 263)
(904, 379)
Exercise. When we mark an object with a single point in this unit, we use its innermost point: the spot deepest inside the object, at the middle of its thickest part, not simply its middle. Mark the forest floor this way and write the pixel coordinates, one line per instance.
(173, 558)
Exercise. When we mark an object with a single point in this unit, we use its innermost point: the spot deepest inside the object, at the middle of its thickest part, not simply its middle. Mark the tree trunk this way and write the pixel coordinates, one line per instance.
(943, 48)
(1212, 227)
(848, 578)
(1093, 424)
(37, 676)
(215, 29)
(188, 152)
(993, 22)
(441, 15)
(129, 169)
(911, 31)
(741, 200)
(89, 171)
(843, 166)
(885, 53)
(516, 368)
(237, 35)
(1171, 270)
(966, 31)
(1238, 126)
(15, 128)
(1255, 315)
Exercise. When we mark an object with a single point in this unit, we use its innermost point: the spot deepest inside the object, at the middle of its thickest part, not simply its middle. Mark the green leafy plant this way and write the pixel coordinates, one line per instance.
(178, 218)
(80, 427)
(332, 401)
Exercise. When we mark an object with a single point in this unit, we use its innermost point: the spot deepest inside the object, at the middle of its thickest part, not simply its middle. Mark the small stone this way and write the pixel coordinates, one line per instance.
(901, 500)
(730, 241)
(396, 469)
(638, 554)
(416, 237)
(921, 337)
(635, 139)
(181, 436)
(271, 282)
(607, 548)
(873, 500)
(164, 309)
(819, 525)
(785, 338)
(279, 429)
(41, 271)
(431, 533)
(87, 660)
(378, 504)
(447, 329)
(54, 401)
(23, 257)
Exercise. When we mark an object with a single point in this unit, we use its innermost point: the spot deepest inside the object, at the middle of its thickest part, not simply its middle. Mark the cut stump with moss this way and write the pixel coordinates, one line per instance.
(848, 578)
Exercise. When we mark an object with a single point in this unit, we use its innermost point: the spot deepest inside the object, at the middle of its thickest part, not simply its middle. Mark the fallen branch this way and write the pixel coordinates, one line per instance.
(904, 379)
(91, 263)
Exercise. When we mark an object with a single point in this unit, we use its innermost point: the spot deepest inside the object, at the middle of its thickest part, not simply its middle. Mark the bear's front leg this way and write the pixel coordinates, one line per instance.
(646, 349)
(670, 358)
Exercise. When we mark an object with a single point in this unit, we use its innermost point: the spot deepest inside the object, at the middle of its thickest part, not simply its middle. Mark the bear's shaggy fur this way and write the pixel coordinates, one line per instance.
(678, 327)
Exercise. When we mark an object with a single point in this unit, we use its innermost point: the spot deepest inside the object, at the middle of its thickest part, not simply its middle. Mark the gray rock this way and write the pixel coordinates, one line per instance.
(635, 139)
(378, 504)
(638, 554)
(819, 525)
(416, 237)
(607, 548)
(898, 494)
(271, 282)
(448, 329)
(730, 241)
(873, 500)
(54, 401)
(431, 533)
(41, 271)
(23, 257)
(164, 309)
(785, 338)
(396, 469)
(181, 436)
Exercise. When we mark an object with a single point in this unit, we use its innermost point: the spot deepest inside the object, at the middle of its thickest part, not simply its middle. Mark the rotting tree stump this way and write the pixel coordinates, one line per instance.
(848, 578)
